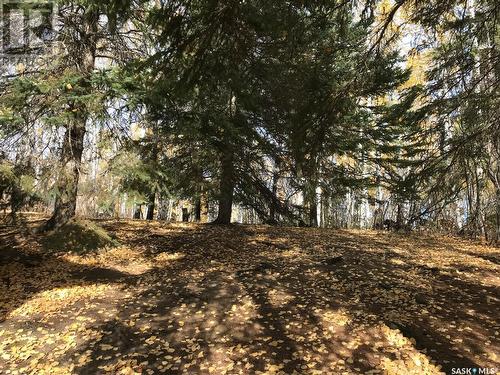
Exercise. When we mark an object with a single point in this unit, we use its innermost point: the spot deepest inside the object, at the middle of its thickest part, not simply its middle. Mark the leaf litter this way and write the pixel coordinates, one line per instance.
(205, 299)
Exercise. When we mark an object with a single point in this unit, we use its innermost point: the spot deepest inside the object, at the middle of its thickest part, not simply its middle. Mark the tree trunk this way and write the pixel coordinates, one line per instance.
(496, 238)
(226, 188)
(204, 207)
(138, 212)
(494, 175)
(272, 208)
(82, 47)
(151, 207)
(481, 229)
(67, 182)
(185, 215)
(311, 202)
(197, 209)
(313, 214)
(399, 217)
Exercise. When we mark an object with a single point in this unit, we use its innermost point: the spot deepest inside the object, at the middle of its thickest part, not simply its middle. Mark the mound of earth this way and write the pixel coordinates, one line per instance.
(78, 236)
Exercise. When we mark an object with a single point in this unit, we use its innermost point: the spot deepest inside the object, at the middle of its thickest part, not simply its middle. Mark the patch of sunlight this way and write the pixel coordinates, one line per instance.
(397, 262)
(279, 298)
(165, 258)
(260, 239)
(408, 359)
(122, 259)
(272, 369)
(56, 299)
(332, 318)
(128, 367)
(30, 346)
(219, 360)
(413, 364)
(50, 369)
(293, 253)
(491, 280)
(134, 223)
(399, 250)
(183, 225)
(395, 338)
(242, 312)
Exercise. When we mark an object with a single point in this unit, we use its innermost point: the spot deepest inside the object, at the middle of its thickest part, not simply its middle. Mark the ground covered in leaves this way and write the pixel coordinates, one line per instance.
(201, 299)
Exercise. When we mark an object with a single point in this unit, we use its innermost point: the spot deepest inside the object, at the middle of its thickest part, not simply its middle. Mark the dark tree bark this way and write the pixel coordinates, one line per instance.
(153, 158)
(185, 215)
(198, 197)
(495, 238)
(226, 188)
(311, 202)
(313, 214)
(151, 207)
(310, 172)
(399, 216)
(494, 174)
(197, 209)
(272, 207)
(138, 212)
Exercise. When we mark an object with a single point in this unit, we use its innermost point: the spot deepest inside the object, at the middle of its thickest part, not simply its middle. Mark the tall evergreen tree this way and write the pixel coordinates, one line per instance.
(64, 90)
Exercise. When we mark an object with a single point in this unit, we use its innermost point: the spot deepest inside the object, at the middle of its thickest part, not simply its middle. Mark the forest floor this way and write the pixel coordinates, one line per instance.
(202, 299)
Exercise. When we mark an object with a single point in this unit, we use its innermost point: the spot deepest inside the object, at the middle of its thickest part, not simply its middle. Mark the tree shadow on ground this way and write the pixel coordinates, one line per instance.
(314, 283)
(258, 299)
(27, 273)
(450, 315)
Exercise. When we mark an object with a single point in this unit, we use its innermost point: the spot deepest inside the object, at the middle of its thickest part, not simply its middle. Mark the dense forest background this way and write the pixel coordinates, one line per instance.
(347, 114)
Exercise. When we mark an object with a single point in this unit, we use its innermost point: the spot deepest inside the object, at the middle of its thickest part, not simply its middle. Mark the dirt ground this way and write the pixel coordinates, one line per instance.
(201, 299)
